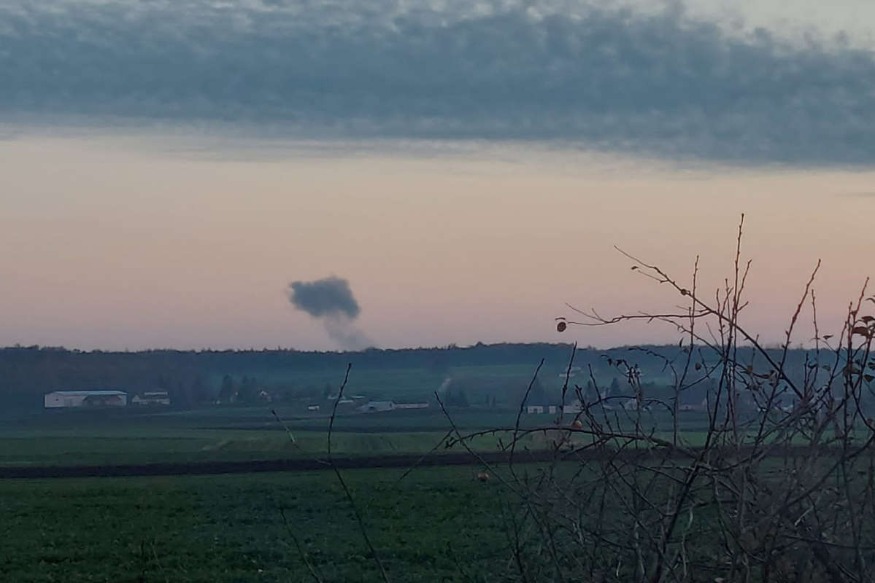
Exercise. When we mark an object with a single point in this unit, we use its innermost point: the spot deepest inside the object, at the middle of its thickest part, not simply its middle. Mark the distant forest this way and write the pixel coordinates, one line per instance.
(193, 377)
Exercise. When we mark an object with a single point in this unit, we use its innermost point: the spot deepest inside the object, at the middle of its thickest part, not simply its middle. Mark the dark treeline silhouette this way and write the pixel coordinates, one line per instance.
(27, 372)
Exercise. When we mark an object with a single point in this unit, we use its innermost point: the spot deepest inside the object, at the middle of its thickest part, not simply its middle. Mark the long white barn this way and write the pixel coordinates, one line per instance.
(72, 399)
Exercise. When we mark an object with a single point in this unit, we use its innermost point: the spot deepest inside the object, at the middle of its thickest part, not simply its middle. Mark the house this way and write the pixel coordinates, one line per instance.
(81, 399)
(151, 398)
(313, 408)
(534, 408)
(411, 405)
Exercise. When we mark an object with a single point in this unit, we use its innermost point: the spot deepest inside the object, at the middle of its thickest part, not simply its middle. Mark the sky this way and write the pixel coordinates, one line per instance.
(169, 169)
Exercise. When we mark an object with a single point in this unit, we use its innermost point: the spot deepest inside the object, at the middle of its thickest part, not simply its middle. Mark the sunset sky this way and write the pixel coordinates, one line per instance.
(168, 168)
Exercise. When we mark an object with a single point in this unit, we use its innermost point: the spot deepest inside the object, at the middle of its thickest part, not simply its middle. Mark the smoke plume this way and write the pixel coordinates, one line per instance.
(330, 301)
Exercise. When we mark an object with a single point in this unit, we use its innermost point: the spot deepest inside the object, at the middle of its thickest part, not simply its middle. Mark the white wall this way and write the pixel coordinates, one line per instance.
(55, 401)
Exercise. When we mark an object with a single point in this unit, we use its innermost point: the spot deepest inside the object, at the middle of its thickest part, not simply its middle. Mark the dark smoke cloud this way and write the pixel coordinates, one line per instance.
(330, 296)
(330, 301)
(346, 334)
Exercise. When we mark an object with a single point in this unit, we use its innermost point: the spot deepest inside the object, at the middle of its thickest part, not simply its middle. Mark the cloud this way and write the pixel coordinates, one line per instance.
(618, 79)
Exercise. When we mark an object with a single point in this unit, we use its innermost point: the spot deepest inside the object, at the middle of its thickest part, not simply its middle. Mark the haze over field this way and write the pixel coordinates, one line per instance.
(167, 168)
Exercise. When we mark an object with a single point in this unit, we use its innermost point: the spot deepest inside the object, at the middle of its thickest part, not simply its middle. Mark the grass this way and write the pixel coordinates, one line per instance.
(435, 524)
(240, 434)
(228, 434)
(231, 528)
(109, 448)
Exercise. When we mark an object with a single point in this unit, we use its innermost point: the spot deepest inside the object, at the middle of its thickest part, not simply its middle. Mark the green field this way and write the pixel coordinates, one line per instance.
(254, 433)
(426, 523)
(432, 525)
(227, 434)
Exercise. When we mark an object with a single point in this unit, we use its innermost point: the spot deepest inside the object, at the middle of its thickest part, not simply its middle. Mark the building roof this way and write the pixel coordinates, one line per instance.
(89, 393)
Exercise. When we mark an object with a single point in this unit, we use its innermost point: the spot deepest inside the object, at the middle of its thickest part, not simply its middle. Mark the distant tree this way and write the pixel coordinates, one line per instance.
(456, 398)
(591, 393)
(180, 395)
(614, 389)
(248, 390)
(537, 395)
(200, 392)
(228, 390)
(439, 363)
(287, 393)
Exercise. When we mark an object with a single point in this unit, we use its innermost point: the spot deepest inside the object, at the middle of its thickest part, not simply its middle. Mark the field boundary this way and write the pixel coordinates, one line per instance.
(261, 466)
(356, 462)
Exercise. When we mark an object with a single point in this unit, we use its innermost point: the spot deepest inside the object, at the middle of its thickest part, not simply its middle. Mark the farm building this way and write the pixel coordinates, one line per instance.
(152, 398)
(74, 399)
(375, 406)
(411, 405)
(551, 409)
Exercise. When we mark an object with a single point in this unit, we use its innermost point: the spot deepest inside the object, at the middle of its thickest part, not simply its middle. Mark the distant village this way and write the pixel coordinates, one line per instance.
(539, 405)
(109, 399)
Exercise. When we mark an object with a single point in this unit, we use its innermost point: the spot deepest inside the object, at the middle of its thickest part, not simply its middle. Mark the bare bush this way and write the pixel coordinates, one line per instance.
(778, 484)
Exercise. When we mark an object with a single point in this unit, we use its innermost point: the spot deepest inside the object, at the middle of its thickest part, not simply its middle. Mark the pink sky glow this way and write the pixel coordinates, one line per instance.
(117, 244)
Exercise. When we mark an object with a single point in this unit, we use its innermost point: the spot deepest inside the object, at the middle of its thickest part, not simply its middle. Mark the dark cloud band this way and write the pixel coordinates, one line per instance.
(613, 79)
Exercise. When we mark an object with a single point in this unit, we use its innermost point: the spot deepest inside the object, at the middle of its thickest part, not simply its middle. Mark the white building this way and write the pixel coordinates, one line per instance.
(153, 398)
(74, 399)
(574, 406)
(375, 406)
(569, 408)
